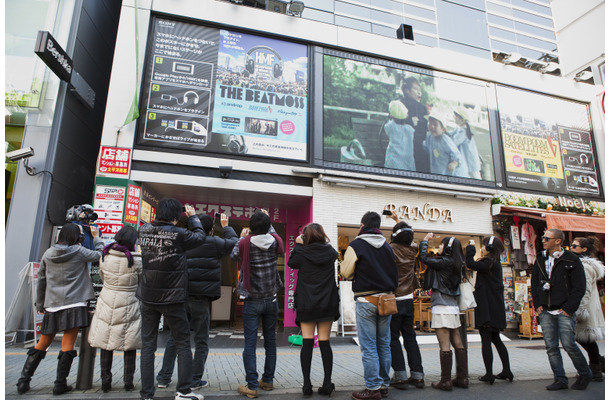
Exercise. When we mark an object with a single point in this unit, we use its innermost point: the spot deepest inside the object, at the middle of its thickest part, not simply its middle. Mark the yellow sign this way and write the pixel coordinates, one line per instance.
(532, 155)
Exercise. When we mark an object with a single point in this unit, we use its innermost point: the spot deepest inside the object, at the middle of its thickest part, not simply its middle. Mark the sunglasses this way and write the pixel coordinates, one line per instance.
(574, 246)
(546, 238)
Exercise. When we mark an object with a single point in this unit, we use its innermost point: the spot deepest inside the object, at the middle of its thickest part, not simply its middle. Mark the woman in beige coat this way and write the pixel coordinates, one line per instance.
(117, 322)
(590, 324)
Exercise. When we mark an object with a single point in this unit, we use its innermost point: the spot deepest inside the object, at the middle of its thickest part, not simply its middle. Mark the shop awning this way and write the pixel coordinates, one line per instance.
(577, 223)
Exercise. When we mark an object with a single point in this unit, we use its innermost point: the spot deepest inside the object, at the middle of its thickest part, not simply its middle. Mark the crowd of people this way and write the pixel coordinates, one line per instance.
(177, 274)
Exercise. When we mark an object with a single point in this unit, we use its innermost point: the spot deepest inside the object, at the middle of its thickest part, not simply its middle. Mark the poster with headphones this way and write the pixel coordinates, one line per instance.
(260, 100)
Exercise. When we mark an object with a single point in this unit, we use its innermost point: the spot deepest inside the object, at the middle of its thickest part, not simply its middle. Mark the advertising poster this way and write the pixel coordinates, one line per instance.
(405, 123)
(133, 204)
(224, 92)
(114, 161)
(547, 144)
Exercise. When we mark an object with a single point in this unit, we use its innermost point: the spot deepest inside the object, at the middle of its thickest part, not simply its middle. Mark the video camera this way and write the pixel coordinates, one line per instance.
(73, 213)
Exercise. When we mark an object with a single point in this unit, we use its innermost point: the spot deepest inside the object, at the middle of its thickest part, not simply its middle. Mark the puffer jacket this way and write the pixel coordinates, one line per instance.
(445, 278)
(405, 261)
(590, 321)
(64, 277)
(164, 277)
(204, 264)
(117, 321)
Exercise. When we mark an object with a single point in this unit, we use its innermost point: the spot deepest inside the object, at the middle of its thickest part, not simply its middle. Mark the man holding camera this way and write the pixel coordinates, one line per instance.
(558, 285)
(162, 290)
(84, 216)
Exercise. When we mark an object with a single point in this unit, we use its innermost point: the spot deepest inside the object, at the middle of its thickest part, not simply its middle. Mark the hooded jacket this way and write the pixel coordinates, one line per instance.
(405, 261)
(317, 294)
(204, 267)
(164, 277)
(63, 278)
(567, 283)
(590, 323)
(369, 261)
(445, 278)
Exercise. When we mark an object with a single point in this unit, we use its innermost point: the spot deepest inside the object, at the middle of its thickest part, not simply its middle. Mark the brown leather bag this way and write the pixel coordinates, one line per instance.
(385, 303)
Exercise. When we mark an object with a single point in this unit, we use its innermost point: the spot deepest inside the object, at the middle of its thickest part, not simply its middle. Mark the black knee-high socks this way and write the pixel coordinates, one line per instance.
(306, 353)
(327, 360)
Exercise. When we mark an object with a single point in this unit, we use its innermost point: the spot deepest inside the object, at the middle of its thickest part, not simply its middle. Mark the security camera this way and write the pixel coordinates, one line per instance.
(20, 154)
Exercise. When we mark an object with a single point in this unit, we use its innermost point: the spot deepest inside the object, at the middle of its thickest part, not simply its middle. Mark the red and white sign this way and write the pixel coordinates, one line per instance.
(108, 204)
(133, 204)
(107, 231)
(114, 161)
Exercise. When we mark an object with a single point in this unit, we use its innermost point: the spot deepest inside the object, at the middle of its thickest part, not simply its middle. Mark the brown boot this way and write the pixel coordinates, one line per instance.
(461, 361)
(446, 365)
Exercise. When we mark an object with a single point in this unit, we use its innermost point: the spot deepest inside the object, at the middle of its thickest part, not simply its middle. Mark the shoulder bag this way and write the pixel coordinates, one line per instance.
(466, 299)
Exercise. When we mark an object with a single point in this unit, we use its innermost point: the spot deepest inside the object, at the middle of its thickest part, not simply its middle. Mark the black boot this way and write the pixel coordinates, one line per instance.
(31, 363)
(129, 368)
(598, 376)
(106, 369)
(64, 364)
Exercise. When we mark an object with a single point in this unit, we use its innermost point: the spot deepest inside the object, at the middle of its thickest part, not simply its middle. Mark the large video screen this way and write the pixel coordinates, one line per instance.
(390, 119)
(548, 144)
(224, 91)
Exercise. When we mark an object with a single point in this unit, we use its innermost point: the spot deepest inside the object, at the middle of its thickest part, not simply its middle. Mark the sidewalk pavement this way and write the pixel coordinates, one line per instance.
(224, 369)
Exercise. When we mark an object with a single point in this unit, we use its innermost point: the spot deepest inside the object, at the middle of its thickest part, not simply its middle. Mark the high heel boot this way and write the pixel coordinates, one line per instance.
(31, 363)
(461, 360)
(64, 364)
(106, 369)
(129, 369)
(505, 375)
(446, 365)
(327, 390)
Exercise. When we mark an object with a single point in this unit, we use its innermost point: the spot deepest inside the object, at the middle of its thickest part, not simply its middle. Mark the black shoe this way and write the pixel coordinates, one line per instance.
(106, 386)
(505, 375)
(418, 383)
(307, 390)
(557, 385)
(129, 387)
(327, 390)
(384, 391)
(581, 383)
(489, 378)
(398, 384)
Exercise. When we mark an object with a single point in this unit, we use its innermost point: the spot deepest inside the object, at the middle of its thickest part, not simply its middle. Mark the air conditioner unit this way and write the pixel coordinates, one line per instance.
(276, 6)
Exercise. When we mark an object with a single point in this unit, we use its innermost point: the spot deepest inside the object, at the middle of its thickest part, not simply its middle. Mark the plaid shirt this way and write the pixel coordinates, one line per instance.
(265, 280)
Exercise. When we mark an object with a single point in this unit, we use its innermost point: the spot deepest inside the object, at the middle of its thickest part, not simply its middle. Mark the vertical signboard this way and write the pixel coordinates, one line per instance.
(108, 204)
(223, 91)
(132, 204)
(548, 144)
(114, 161)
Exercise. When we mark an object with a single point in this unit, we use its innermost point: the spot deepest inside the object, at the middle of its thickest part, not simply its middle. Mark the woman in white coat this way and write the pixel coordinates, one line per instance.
(589, 317)
(117, 321)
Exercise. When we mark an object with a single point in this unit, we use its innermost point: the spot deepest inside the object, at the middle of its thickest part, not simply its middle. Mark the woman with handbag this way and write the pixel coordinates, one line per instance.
(117, 322)
(316, 300)
(444, 279)
(490, 317)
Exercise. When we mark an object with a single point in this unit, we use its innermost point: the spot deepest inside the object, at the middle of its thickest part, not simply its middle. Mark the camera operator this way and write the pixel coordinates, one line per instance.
(84, 216)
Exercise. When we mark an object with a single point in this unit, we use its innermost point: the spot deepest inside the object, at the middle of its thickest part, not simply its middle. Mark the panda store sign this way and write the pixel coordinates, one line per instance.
(422, 212)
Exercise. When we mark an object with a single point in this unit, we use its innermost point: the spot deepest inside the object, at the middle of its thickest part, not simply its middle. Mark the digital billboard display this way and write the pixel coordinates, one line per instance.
(222, 91)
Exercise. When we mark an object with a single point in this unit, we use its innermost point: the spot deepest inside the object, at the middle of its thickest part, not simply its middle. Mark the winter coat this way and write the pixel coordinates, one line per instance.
(445, 279)
(567, 283)
(317, 295)
(203, 264)
(117, 320)
(164, 277)
(590, 322)
(488, 291)
(405, 261)
(63, 278)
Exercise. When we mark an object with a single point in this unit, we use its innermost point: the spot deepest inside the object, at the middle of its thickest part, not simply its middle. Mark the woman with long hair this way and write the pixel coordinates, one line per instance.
(117, 322)
(444, 281)
(316, 300)
(490, 317)
(590, 321)
(64, 286)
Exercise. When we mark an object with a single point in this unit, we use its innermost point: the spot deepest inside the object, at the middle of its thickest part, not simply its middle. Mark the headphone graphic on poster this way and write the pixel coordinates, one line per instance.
(264, 56)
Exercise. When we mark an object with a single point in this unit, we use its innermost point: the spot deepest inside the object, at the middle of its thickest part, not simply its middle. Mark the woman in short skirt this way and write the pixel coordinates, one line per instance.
(64, 286)
(445, 273)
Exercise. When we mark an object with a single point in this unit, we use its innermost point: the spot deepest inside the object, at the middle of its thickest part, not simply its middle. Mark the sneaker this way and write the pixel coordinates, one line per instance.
(199, 385)
(188, 396)
(581, 383)
(557, 385)
(162, 385)
(246, 391)
(265, 385)
(418, 383)
(367, 394)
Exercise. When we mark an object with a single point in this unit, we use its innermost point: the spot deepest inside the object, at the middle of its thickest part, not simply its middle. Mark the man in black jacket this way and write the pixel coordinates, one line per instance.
(558, 285)
(205, 279)
(162, 290)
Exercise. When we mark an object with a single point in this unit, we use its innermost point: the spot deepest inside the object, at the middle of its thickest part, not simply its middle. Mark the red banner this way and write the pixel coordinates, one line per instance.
(133, 204)
(114, 161)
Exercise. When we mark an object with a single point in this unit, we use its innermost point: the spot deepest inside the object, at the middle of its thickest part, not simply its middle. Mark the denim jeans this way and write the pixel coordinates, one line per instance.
(402, 323)
(560, 327)
(374, 337)
(199, 317)
(267, 310)
(175, 315)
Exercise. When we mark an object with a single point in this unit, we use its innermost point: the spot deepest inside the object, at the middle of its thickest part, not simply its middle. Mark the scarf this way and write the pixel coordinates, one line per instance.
(244, 251)
(122, 249)
(369, 231)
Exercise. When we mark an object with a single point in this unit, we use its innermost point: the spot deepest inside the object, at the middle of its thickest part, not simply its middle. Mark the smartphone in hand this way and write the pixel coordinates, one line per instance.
(386, 212)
